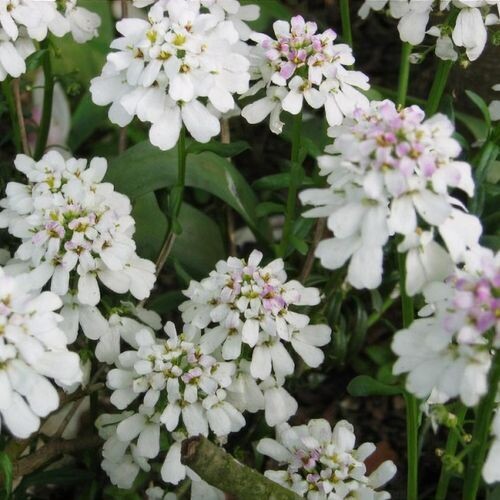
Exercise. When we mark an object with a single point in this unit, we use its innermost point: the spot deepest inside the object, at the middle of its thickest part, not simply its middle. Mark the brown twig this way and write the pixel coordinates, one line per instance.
(51, 451)
(221, 470)
(317, 237)
(20, 117)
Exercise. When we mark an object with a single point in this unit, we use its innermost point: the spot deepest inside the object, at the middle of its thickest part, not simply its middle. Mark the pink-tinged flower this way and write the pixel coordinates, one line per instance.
(322, 463)
(304, 65)
(390, 171)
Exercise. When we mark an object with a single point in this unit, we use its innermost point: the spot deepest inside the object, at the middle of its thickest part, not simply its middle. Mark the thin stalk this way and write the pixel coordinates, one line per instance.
(20, 116)
(438, 86)
(345, 16)
(7, 91)
(404, 73)
(176, 196)
(481, 432)
(295, 176)
(450, 450)
(412, 411)
(48, 97)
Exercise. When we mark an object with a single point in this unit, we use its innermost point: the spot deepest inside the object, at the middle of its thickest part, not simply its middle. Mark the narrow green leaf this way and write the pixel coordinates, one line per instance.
(268, 207)
(224, 150)
(481, 105)
(299, 244)
(364, 385)
(6, 470)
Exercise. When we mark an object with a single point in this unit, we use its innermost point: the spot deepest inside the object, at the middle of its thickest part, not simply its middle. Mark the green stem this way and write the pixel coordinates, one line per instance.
(345, 16)
(48, 96)
(438, 86)
(412, 411)
(404, 73)
(481, 432)
(175, 203)
(295, 180)
(7, 92)
(451, 449)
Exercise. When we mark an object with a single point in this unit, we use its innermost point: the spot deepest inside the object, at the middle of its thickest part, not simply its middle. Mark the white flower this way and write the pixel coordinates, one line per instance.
(74, 228)
(447, 352)
(391, 172)
(494, 106)
(192, 382)
(32, 350)
(118, 328)
(244, 303)
(166, 70)
(470, 32)
(491, 468)
(121, 460)
(24, 21)
(468, 29)
(83, 23)
(299, 65)
(322, 464)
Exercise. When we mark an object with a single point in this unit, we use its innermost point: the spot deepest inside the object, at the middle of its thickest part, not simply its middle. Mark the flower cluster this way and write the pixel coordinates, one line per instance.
(181, 389)
(25, 21)
(74, 228)
(390, 171)
(32, 350)
(247, 309)
(322, 464)
(468, 31)
(448, 351)
(181, 67)
(299, 65)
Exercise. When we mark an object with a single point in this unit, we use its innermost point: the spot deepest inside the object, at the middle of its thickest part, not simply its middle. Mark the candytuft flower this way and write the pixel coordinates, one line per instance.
(181, 67)
(75, 229)
(322, 464)
(300, 65)
(25, 21)
(32, 351)
(390, 172)
(447, 352)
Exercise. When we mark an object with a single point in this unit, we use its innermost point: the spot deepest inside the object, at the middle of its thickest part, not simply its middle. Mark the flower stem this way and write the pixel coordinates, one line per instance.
(451, 448)
(295, 179)
(175, 203)
(438, 86)
(412, 412)
(404, 73)
(480, 434)
(345, 17)
(48, 96)
(9, 97)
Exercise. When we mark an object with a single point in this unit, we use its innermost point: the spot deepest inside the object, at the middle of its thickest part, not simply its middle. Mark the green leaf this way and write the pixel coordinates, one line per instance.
(6, 470)
(199, 247)
(143, 169)
(269, 207)
(299, 244)
(364, 385)
(35, 60)
(151, 226)
(224, 150)
(86, 119)
(273, 182)
(481, 105)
